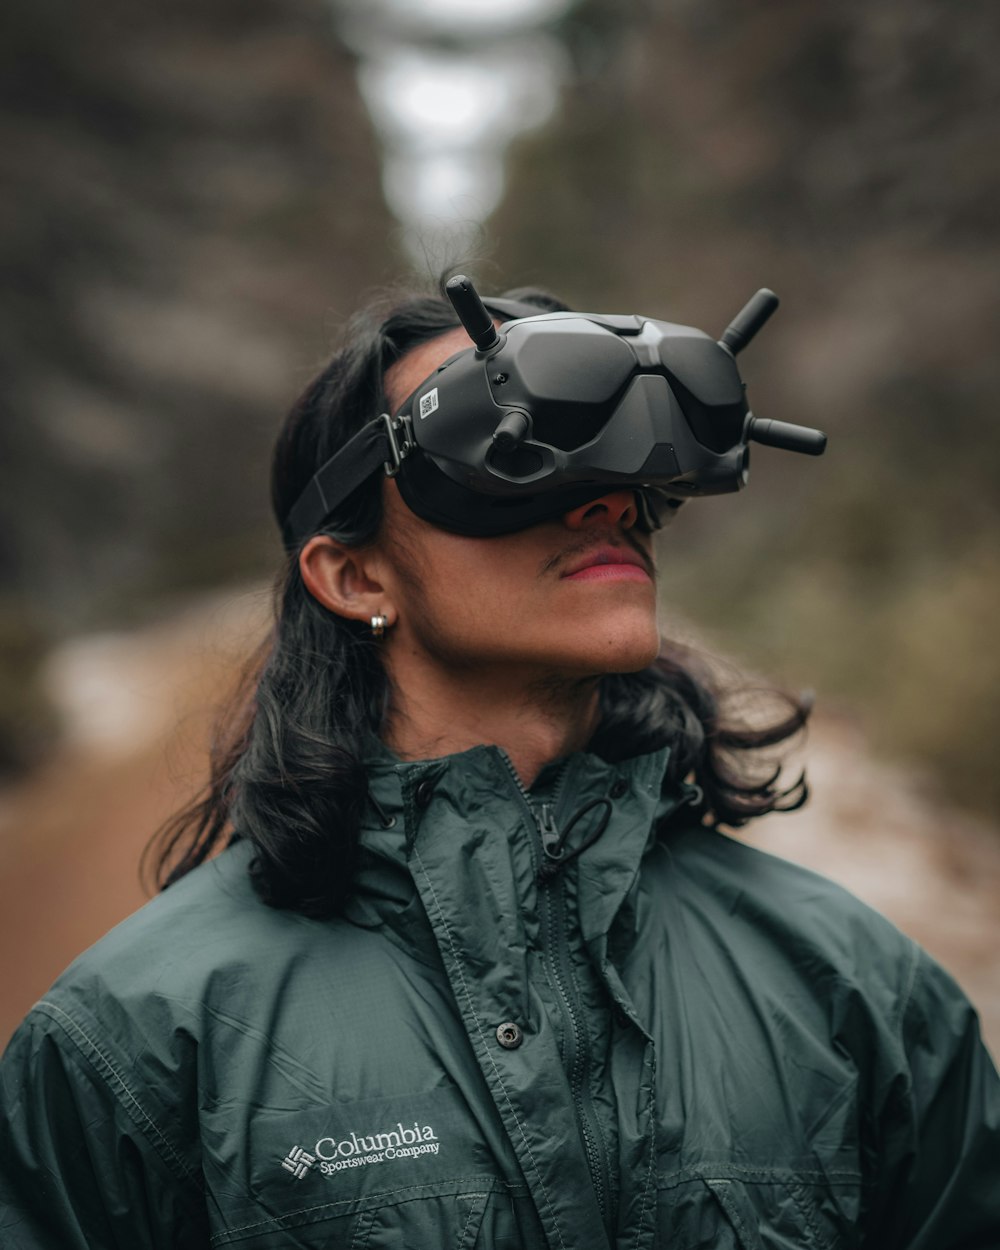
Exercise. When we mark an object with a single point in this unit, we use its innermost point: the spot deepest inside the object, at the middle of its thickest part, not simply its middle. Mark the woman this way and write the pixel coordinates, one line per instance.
(476, 967)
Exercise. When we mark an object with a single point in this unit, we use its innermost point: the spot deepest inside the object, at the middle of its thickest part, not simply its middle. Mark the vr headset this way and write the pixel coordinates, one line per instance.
(555, 409)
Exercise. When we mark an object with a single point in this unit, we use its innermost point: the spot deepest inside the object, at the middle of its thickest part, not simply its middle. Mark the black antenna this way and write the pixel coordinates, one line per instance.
(781, 434)
(788, 437)
(471, 311)
(749, 320)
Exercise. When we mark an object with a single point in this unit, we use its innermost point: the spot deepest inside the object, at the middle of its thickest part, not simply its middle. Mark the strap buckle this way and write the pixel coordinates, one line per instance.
(399, 432)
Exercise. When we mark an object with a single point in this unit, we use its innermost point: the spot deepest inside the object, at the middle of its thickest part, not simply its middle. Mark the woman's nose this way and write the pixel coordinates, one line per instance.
(616, 508)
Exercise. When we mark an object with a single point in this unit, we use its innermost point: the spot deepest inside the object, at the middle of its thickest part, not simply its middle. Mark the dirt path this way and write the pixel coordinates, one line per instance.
(139, 711)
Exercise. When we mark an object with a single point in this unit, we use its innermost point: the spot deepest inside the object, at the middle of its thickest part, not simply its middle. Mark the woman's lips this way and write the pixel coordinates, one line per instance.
(609, 564)
(610, 573)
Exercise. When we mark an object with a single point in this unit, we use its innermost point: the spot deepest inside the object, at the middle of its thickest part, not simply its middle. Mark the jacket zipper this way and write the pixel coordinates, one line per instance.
(552, 902)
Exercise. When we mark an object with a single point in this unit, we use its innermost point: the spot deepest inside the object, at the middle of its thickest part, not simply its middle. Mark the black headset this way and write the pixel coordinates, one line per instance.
(555, 409)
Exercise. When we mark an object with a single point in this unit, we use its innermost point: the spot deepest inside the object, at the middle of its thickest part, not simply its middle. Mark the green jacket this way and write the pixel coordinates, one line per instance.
(668, 1040)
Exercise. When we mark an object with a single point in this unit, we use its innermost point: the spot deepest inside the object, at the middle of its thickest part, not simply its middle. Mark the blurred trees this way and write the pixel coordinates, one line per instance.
(191, 197)
(844, 155)
(191, 202)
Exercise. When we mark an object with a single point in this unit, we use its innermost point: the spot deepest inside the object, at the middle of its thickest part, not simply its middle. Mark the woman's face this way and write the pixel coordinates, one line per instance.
(570, 597)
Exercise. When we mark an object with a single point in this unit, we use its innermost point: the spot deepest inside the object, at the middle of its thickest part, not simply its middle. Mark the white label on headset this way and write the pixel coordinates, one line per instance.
(428, 403)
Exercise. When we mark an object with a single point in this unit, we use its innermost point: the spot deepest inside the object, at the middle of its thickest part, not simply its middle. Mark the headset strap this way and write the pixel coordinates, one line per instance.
(373, 447)
(514, 309)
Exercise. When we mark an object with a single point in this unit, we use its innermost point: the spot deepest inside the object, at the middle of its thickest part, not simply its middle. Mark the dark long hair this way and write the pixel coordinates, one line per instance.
(287, 770)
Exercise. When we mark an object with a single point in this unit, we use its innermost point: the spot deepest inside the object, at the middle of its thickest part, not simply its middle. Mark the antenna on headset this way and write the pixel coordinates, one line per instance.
(781, 434)
(749, 320)
(471, 311)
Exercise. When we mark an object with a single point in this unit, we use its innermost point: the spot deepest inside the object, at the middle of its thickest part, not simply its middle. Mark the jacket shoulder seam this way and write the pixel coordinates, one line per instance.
(906, 989)
(118, 1086)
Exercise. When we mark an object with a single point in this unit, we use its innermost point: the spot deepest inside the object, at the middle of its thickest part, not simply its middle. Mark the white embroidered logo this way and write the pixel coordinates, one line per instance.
(331, 1154)
(298, 1162)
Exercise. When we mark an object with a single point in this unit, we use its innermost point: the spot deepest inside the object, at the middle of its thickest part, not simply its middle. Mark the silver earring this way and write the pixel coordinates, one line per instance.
(379, 623)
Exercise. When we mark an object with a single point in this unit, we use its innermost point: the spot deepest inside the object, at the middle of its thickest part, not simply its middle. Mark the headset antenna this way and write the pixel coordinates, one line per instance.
(781, 434)
(749, 320)
(471, 311)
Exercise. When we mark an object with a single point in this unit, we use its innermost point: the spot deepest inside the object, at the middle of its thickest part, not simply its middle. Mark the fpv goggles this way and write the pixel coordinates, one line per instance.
(556, 409)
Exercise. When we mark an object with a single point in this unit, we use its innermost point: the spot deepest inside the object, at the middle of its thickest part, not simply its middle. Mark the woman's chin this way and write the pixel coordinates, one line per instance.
(623, 650)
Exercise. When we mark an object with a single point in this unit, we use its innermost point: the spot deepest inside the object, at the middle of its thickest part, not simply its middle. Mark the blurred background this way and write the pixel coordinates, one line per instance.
(197, 196)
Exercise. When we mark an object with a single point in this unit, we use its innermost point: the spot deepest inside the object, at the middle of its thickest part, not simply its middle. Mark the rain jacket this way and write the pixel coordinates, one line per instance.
(636, 1039)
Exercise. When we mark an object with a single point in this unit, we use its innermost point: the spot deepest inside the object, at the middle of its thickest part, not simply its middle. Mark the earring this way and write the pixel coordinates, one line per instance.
(379, 623)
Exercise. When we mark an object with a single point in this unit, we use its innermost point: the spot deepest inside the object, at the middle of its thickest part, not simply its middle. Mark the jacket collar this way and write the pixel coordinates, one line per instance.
(460, 830)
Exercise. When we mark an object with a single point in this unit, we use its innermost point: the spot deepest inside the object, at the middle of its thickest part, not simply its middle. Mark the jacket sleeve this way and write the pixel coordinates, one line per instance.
(940, 1188)
(79, 1168)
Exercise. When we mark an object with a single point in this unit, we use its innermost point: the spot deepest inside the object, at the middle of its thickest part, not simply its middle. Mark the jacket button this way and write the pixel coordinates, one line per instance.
(619, 788)
(424, 793)
(509, 1035)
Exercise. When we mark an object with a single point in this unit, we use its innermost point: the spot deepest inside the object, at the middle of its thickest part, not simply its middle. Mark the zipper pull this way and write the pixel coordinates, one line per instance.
(548, 831)
(552, 843)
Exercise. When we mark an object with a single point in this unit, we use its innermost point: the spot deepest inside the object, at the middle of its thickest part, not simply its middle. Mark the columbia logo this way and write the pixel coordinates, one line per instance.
(298, 1162)
(429, 403)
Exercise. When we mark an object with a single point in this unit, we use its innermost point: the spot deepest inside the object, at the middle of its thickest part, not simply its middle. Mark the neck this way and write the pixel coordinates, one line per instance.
(535, 720)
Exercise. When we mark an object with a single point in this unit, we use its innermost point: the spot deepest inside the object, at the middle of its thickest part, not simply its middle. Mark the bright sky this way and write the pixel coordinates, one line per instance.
(478, 14)
(446, 117)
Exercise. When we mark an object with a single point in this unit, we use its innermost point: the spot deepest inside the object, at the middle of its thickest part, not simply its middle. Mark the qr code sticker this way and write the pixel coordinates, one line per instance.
(428, 403)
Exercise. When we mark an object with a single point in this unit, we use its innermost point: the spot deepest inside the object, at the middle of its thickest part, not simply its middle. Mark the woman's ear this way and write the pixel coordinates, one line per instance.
(345, 579)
